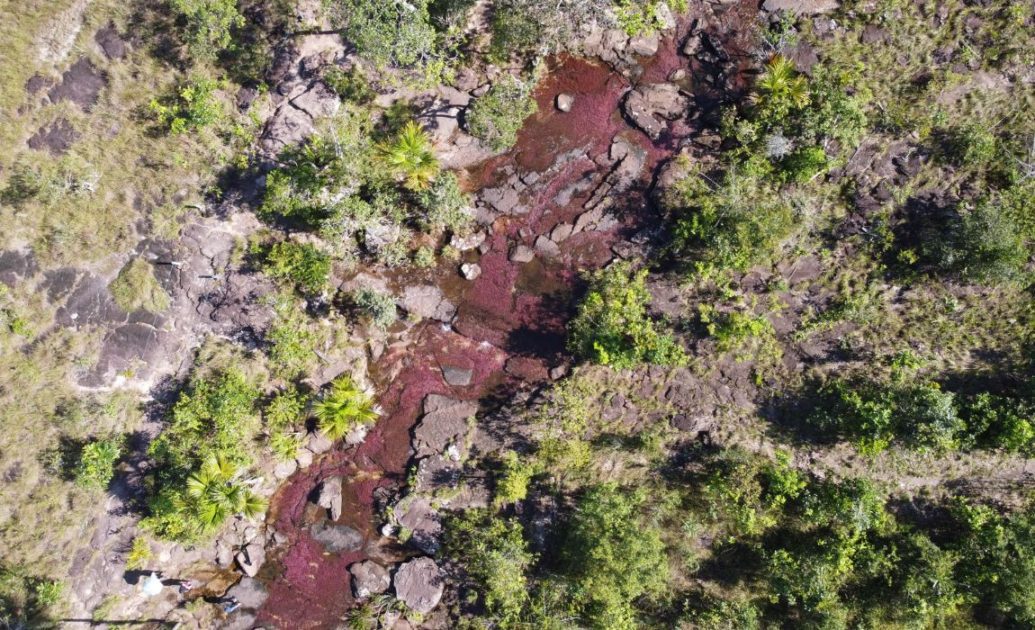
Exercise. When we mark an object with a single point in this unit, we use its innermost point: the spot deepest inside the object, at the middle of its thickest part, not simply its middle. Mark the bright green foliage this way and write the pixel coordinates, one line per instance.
(446, 207)
(200, 457)
(387, 33)
(137, 288)
(343, 408)
(732, 329)
(208, 25)
(644, 17)
(972, 145)
(780, 90)
(850, 506)
(97, 463)
(291, 340)
(214, 415)
(921, 416)
(194, 107)
(612, 326)
(301, 263)
(612, 556)
(732, 225)
(999, 560)
(281, 416)
(493, 551)
(375, 307)
(536, 28)
(515, 475)
(804, 164)
(736, 497)
(1000, 422)
(410, 158)
(496, 118)
(214, 493)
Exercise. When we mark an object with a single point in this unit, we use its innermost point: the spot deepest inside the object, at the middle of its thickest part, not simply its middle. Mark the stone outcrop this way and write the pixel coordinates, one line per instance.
(369, 578)
(652, 107)
(330, 497)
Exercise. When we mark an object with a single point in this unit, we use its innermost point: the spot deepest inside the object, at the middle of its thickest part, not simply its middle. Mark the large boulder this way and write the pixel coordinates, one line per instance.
(250, 558)
(800, 7)
(250, 592)
(424, 523)
(330, 497)
(652, 107)
(419, 585)
(428, 302)
(369, 578)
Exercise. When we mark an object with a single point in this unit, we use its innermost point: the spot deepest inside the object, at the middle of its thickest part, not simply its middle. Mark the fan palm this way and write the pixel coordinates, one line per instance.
(343, 408)
(781, 87)
(216, 494)
(410, 157)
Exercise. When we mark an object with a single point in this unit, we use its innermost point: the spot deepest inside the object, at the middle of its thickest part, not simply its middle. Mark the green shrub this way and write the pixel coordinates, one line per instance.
(343, 408)
(445, 206)
(301, 263)
(496, 117)
(208, 25)
(496, 558)
(139, 555)
(97, 463)
(27, 600)
(733, 225)
(971, 145)
(1000, 422)
(387, 33)
(534, 28)
(137, 288)
(513, 480)
(612, 556)
(804, 164)
(351, 85)
(375, 307)
(638, 17)
(291, 340)
(612, 326)
(214, 415)
(194, 107)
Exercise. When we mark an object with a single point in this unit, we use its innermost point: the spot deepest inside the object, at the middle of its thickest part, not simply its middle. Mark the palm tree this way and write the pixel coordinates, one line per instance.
(781, 87)
(410, 157)
(215, 493)
(343, 408)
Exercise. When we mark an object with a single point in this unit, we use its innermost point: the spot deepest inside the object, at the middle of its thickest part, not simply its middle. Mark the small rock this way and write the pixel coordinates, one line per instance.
(547, 248)
(470, 271)
(330, 496)
(369, 578)
(561, 232)
(304, 458)
(419, 585)
(521, 254)
(677, 75)
(457, 377)
(565, 102)
(250, 558)
(558, 372)
(283, 470)
(467, 243)
(644, 45)
(357, 435)
(250, 592)
(224, 554)
(319, 443)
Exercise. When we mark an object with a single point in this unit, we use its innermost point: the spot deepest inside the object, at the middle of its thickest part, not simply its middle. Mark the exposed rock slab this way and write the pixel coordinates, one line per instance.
(336, 538)
(444, 424)
(81, 84)
(652, 107)
(330, 496)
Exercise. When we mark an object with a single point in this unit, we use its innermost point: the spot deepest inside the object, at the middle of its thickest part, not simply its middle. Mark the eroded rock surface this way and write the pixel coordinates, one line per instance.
(419, 584)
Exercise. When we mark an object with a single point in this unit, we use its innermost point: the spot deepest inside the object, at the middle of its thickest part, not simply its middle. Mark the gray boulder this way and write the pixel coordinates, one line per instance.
(330, 496)
(444, 423)
(369, 578)
(419, 585)
(336, 538)
(652, 107)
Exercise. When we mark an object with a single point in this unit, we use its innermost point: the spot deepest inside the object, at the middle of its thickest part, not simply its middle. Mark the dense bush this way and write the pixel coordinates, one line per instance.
(387, 33)
(612, 326)
(445, 206)
(496, 118)
(612, 556)
(200, 456)
(409, 157)
(208, 25)
(194, 106)
(732, 224)
(97, 462)
(300, 263)
(377, 308)
(984, 245)
(494, 554)
(531, 27)
(28, 600)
